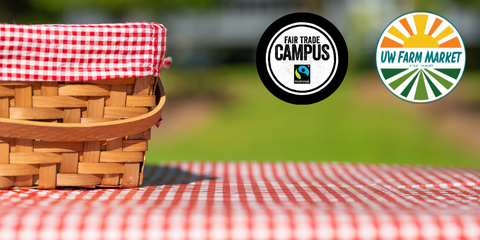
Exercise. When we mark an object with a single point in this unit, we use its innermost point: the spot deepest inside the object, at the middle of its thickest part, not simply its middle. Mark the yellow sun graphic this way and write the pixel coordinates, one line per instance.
(422, 38)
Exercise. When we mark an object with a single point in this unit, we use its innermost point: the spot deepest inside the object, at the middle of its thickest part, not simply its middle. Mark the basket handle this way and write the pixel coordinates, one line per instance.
(12, 128)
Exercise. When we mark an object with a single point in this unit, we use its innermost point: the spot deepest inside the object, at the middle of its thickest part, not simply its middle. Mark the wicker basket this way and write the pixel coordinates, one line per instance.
(76, 129)
(76, 134)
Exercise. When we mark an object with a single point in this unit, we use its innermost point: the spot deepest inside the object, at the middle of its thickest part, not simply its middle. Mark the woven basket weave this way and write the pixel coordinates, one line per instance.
(86, 134)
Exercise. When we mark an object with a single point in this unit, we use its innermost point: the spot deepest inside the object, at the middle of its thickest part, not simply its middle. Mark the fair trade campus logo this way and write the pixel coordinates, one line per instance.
(420, 57)
(302, 58)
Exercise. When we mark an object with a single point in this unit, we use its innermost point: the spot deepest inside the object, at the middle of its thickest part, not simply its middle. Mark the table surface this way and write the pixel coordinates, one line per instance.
(257, 201)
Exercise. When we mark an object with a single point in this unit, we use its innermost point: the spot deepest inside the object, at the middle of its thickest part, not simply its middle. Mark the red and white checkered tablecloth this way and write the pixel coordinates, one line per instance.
(257, 201)
(81, 52)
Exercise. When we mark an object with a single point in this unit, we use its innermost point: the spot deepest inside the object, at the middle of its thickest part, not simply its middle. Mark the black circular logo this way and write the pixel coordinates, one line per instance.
(302, 58)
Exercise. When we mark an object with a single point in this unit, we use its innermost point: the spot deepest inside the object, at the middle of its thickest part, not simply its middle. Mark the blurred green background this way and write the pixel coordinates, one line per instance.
(218, 110)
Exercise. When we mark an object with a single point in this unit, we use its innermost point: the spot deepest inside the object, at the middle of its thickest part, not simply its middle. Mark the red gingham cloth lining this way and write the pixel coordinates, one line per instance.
(81, 52)
(257, 201)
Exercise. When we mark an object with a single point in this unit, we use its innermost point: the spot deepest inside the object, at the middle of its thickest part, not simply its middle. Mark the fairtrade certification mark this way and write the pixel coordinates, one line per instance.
(420, 57)
(302, 58)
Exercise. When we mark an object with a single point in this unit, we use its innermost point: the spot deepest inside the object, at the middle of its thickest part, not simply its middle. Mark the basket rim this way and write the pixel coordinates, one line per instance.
(15, 128)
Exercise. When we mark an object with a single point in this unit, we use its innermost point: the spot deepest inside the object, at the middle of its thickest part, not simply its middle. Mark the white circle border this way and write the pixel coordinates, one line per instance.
(332, 73)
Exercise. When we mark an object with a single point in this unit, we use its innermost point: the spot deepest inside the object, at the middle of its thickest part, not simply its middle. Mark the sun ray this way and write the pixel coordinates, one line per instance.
(420, 23)
(452, 43)
(395, 84)
(435, 26)
(390, 72)
(406, 90)
(421, 90)
(407, 27)
(403, 35)
(447, 84)
(447, 31)
(389, 43)
(451, 72)
(395, 32)
(420, 39)
(434, 88)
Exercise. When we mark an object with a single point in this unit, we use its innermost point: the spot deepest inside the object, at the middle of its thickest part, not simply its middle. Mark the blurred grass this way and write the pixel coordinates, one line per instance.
(250, 124)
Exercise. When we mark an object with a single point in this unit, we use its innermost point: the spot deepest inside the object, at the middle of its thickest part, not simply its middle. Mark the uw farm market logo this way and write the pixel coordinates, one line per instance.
(302, 58)
(420, 57)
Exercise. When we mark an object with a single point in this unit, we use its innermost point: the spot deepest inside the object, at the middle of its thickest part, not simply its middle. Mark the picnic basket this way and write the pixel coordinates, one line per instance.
(77, 103)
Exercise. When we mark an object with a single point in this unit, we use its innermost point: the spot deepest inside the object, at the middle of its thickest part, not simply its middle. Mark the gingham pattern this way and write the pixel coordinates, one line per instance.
(80, 52)
(257, 201)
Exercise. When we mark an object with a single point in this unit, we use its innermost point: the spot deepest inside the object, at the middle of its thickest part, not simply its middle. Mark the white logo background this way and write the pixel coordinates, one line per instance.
(321, 71)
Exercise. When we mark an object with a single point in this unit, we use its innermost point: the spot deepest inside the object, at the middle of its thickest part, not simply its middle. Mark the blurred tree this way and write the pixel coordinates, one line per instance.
(442, 5)
(118, 6)
(471, 3)
(21, 11)
(52, 11)
(311, 5)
